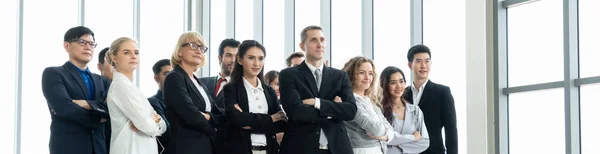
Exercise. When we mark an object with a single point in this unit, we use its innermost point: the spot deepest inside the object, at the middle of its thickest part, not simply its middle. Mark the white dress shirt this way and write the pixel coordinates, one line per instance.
(227, 78)
(317, 105)
(257, 103)
(203, 94)
(126, 103)
(417, 93)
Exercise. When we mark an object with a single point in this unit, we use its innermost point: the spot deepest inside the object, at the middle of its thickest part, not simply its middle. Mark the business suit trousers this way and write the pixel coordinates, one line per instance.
(321, 151)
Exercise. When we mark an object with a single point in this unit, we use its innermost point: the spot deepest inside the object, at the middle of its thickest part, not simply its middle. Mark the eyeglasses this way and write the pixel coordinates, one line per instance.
(84, 43)
(195, 46)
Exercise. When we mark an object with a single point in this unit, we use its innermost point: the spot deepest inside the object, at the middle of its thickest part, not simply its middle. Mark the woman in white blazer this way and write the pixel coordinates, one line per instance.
(134, 122)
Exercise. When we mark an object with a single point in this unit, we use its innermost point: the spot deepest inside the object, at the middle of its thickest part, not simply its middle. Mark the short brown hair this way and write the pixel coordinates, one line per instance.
(298, 54)
(306, 29)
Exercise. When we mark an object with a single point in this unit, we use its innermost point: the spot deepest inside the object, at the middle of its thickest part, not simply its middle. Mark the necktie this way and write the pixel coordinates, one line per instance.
(318, 78)
(219, 82)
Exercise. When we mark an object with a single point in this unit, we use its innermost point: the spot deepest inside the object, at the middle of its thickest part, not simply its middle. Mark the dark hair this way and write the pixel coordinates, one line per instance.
(238, 70)
(159, 64)
(387, 101)
(271, 76)
(101, 55)
(298, 54)
(303, 34)
(76, 32)
(417, 49)
(228, 43)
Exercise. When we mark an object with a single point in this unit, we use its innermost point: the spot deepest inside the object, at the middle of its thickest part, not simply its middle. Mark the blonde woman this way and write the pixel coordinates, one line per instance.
(188, 101)
(134, 122)
(369, 120)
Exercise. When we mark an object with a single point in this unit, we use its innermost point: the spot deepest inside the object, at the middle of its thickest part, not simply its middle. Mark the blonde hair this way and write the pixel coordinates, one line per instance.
(351, 67)
(115, 46)
(192, 36)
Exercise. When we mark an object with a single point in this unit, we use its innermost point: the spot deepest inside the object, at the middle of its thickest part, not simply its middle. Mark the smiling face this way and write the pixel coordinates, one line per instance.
(82, 49)
(364, 76)
(127, 58)
(252, 62)
(420, 66)
(396, 85)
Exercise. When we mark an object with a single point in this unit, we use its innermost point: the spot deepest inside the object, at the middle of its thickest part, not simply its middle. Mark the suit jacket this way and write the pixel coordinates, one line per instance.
(75, 130)
(159, 106)
(211, 83)
(305, 121)
(437, 105)
(237, 140)
(190, 131)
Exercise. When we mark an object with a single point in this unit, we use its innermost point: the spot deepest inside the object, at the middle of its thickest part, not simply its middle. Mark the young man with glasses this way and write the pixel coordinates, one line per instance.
(76, 98)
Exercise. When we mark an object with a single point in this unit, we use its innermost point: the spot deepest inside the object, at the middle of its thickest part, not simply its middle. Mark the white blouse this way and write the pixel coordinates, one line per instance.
(126, 104)
(257, 103)
(203, 94)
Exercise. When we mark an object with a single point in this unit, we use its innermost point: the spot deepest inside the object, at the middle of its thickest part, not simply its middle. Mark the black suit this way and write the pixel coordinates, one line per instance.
(437, 105)
(75, 130)
(159, 106)
(237, 140)
(190, 131)
(305, 121)
(211, 83)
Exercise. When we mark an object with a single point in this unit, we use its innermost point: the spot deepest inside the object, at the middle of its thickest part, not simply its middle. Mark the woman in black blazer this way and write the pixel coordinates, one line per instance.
(189, 104)
(253, 113)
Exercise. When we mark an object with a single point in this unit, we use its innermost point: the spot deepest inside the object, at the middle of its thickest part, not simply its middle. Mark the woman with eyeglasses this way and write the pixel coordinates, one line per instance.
(134, 122)
(407, 119)
(188, 102)
(251, 105)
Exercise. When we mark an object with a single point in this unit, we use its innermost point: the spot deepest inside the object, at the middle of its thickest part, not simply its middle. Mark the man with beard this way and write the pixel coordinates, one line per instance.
(228, 50)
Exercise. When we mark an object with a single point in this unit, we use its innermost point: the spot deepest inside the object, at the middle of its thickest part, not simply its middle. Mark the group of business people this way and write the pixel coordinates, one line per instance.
(306, 108)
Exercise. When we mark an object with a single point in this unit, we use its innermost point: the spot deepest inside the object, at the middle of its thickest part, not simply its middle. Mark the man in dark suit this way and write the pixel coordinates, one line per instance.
(161, 68)
(435, 100)
(315, 122)
(76, 99)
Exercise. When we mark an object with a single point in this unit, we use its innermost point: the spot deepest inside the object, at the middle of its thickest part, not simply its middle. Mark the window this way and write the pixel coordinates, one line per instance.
(307, 12)
(274, 35)
(159, 33)
(444, 34)
(101, 17)
(346, 31)
(534, 133)
(244, 20)
(535, 47)
(218, 14)
(589, 34)
(8, 14)
(589, 113)
(391, 35)
(42, 44)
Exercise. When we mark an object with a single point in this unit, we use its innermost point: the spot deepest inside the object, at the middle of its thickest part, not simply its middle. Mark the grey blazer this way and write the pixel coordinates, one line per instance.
(368, 119)
(404, 141)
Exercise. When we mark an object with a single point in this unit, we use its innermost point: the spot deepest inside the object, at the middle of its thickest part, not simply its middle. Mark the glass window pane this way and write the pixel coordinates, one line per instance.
(535, 43)
(244, 20)
(159, 32)
(589, 34)
(42, 44)
(307, 12)
(8, 14)
(444, 33)
(534, 132)
(589, 118)
(217, 33)
(391, 37)
(346, 32)
(103, 22)
(274, 35)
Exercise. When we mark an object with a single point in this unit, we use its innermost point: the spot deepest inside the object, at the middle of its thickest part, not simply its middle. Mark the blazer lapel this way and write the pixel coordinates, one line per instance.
(327, 74)
(243, 97)
(270, 100)
(308, 75)
(192, 86)
(426, 93)
(71, 68)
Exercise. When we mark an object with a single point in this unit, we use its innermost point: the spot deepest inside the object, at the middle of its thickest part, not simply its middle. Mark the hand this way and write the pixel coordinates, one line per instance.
(247, 127)
(279, 116)
(381, 138)
(237, 107)
(310, 101)
(417, 135)
(133, 127)
(156, 118)
(206, 115)
(102, 120)
(279, 137)
(53, 112)
(83, 104)
(337, 99)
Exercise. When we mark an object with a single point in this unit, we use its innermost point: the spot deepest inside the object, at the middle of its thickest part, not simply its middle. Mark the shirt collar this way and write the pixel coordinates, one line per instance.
(248, 85)
(87, 69)
(414, 89)
(313, 68)
(228, 78)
